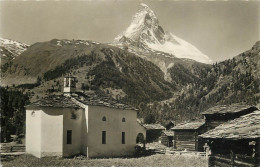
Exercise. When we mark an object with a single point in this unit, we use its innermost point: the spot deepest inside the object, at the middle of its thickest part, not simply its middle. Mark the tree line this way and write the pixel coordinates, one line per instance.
(12, 111)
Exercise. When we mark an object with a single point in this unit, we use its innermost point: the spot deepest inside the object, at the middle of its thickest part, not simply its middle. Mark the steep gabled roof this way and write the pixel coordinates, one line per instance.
(153, 126)
(72, 101)
(58, 101)
(189, 125)
(244, 127)
(224, 109)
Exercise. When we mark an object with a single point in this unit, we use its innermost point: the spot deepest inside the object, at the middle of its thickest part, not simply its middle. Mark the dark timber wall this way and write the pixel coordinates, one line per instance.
(153, 135)
(234, 153)
(186, 139)
(214, 120)
(167, 140)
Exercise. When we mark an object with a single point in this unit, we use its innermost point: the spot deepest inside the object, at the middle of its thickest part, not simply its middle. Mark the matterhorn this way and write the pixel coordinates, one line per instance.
(146, 35)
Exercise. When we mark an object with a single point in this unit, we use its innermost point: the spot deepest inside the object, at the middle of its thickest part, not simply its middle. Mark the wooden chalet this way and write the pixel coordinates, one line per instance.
(153, 132)
(235, 143)
(186, 135)
(222, 113)
(167, 138)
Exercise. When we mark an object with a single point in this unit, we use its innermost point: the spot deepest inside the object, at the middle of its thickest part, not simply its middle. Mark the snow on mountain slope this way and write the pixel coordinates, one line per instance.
(181, 50)
(11, 49)
(145, 32)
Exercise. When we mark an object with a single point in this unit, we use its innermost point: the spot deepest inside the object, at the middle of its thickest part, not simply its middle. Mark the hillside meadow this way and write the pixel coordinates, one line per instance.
(153, 160)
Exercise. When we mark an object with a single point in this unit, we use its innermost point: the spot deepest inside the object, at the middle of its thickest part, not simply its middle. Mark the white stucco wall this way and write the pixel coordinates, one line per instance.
(52, 131)
(114, 128)
(76, 126)
(33, 132)
(84, 147)
(46, 132)
(141, 129)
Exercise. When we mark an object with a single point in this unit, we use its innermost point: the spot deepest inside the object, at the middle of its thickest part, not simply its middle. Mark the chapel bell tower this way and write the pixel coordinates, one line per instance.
(69, 85)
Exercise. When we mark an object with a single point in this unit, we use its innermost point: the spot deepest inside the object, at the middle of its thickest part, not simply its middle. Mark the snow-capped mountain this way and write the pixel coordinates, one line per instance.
(10, 49)
(145, 33)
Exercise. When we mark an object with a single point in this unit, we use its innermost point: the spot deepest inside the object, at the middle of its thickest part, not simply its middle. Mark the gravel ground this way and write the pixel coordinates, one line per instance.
(157, 160)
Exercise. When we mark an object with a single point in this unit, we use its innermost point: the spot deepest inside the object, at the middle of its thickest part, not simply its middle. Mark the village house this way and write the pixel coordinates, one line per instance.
(235, 143)
(75, 123)
(167, 138)
(186, 135)
(153, 132)
(223, 113)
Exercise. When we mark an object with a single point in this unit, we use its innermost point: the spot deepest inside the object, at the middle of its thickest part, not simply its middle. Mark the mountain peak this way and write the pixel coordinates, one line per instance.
(10, 49)
(145, 30)
(143, 22)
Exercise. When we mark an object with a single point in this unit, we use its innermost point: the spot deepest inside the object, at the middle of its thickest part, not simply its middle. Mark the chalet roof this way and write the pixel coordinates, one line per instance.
(55, 101)
(247, 126)
(223, 109)
(189, 125)
(67, 102)
(153, 126)
(168, 133)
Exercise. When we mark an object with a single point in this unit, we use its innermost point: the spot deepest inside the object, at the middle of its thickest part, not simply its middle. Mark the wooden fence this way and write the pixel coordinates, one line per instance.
(12, 148)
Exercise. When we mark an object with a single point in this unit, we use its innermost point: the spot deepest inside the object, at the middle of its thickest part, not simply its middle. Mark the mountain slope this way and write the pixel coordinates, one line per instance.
(145, 33)
(110, 71)
(235, 80)
(10, 49)
(99, 67)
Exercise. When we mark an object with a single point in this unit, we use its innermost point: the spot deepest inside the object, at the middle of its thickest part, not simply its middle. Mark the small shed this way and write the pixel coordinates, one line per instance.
(235, 143)
(223, 113)
(186, 135)
(153, 132)
(167, 138)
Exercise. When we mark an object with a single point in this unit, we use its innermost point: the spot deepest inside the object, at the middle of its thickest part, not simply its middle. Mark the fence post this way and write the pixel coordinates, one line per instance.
(232, 156)
(206, 149)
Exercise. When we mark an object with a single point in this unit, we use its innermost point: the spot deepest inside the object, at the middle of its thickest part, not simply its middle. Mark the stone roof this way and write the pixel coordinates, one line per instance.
(67, 102)
(224, 109)
(100, 101)
(59, 101)
(244, 127)
(168, 133)
(189, 125)
(153, 126)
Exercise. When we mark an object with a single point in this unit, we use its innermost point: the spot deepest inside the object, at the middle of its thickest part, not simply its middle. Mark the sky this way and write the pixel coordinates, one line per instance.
(221, 30)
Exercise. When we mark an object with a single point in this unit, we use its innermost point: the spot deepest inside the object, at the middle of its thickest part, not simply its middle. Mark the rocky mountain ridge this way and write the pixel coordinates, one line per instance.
(10, 49)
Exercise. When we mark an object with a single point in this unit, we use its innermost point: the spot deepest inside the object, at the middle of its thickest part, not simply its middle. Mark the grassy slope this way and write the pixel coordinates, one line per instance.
(154, 160)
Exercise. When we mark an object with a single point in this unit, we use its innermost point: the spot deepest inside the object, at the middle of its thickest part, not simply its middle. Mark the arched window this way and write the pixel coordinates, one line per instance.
(33, 113)
(123, 119)
(104, 119)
